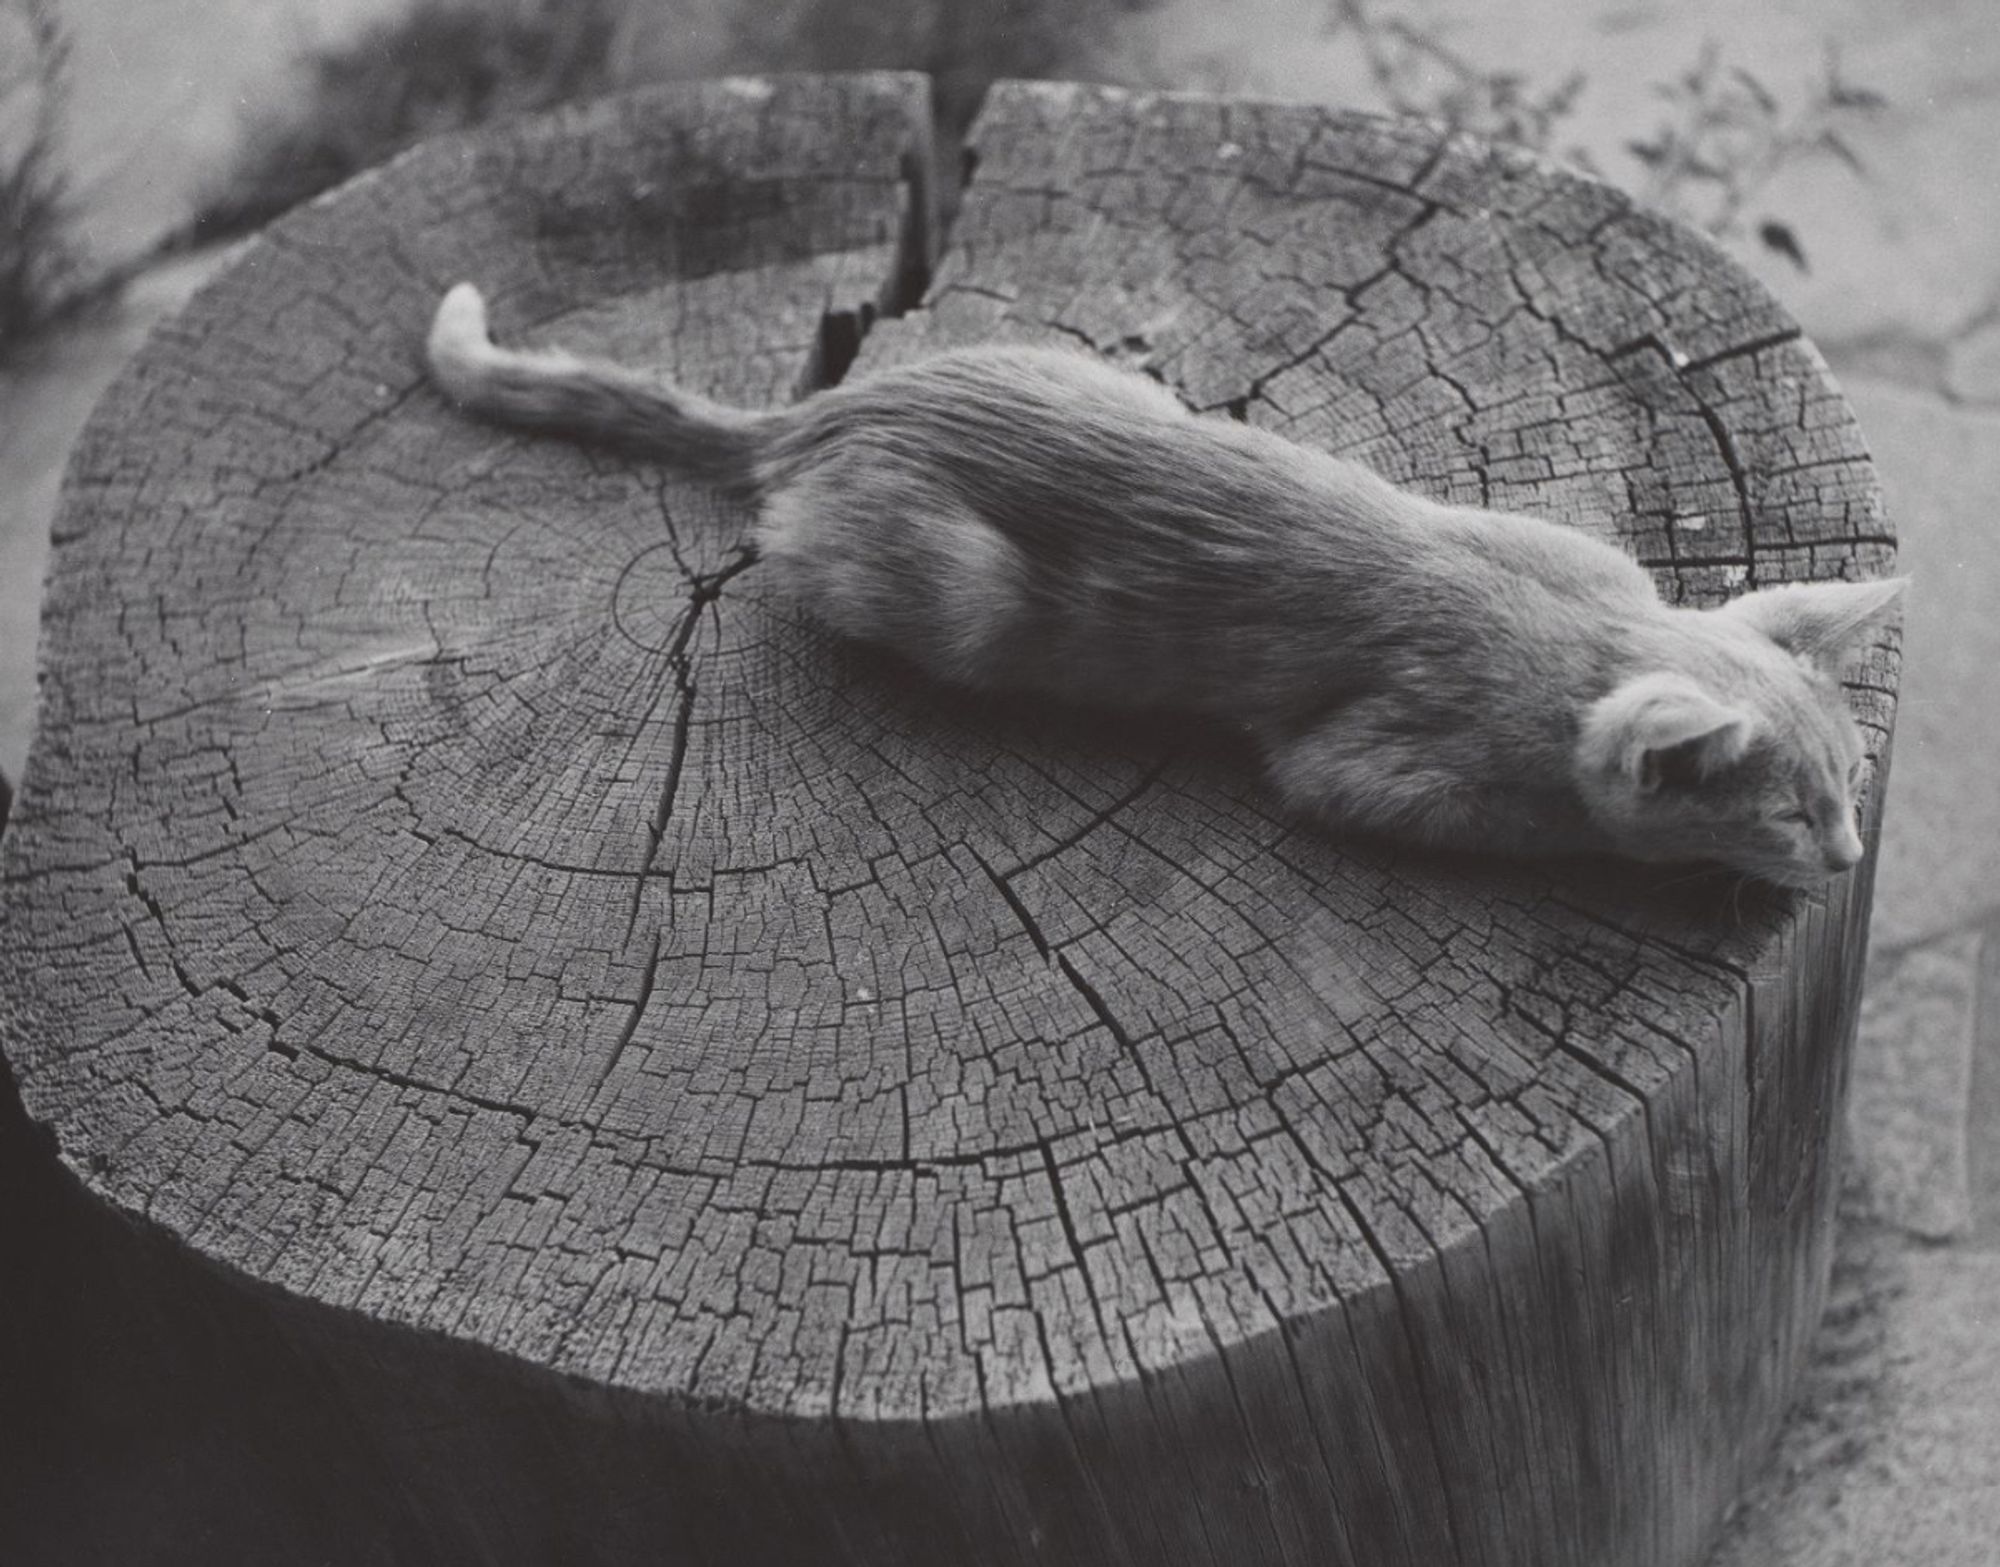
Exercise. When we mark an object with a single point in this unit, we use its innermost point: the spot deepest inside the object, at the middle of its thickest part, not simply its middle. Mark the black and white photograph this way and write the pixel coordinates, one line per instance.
(999, 783)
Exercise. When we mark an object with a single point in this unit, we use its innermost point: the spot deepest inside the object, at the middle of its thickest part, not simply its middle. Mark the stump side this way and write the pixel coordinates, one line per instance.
(461, 897)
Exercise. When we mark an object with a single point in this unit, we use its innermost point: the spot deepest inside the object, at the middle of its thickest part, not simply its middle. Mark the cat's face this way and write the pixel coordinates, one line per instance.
(1745, 753)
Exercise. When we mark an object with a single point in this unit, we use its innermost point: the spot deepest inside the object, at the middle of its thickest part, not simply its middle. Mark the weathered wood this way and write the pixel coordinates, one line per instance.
(670, 1086)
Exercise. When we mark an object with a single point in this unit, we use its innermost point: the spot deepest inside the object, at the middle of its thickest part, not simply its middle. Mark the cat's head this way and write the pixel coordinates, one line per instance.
(1740, 749)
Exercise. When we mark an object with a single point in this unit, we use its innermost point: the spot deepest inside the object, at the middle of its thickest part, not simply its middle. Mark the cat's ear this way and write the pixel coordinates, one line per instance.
(1663, 730)
(1820, 621)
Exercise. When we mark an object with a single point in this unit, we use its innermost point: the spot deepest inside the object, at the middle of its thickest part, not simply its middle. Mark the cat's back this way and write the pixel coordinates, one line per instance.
(1036, 414)
(967, 386)
(1071, 457)
(1118, 544)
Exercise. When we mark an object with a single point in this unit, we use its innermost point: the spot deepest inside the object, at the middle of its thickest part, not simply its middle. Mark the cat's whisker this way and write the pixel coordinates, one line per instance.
(1699, 873)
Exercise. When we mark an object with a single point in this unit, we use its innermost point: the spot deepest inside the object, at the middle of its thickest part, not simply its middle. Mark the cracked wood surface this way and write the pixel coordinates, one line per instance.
(449, 887)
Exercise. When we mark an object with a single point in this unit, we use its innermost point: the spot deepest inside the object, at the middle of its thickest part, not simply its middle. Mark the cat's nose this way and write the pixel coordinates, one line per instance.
(1844, 853)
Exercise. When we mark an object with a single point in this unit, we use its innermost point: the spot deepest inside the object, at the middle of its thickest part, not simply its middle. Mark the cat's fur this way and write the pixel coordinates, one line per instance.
(1038, 520)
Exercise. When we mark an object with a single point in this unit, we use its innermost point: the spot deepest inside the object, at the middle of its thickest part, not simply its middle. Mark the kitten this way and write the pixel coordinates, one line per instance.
(1037, 520)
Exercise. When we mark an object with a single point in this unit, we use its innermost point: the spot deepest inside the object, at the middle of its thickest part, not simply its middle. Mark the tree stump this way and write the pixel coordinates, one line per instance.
(638, 1080)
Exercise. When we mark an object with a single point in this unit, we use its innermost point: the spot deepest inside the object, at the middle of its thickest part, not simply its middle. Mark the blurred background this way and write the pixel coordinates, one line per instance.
(1846, 151)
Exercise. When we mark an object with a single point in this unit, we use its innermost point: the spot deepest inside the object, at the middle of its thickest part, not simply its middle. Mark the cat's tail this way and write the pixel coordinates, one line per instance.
(554, 390)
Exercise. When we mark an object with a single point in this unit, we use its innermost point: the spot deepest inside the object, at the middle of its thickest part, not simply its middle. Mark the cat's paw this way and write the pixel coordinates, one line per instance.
(459, 346)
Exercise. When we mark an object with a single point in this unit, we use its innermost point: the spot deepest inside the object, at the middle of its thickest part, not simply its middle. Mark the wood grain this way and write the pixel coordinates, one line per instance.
(680, 1088)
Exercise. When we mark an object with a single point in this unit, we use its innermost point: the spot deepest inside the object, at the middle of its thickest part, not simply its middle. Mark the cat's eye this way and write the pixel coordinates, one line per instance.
(1803, 818)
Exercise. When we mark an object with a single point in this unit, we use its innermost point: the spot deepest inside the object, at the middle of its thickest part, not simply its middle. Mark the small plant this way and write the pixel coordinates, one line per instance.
(439, 68)
(41, 270)
(1724, 136)
(1415, 74)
